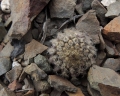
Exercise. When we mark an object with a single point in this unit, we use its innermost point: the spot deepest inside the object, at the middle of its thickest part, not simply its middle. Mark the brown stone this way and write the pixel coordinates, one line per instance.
(33, 48)
(30, 93)
(61, 84)
(112, 30)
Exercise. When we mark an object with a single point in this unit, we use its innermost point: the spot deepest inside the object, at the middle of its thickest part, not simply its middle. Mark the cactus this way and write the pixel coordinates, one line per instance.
(72, 52)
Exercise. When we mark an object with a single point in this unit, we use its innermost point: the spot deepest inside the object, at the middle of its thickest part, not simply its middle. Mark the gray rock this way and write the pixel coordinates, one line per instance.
(104, 76)
(89, 23)
(61, 84)
(35, 33)
(41, 61)
(100, 11)
(113, 9)
(78, 8)
(112, 64)
(86, 4)
(3, 31)
(107, 2)
(5, 65)
(40, 18)
(62, 8)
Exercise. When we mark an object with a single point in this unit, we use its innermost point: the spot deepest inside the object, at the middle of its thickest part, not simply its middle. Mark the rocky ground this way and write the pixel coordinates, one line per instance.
(60, 48)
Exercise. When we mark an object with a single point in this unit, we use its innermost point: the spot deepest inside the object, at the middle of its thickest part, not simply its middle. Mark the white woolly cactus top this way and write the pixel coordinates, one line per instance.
(72, 52)
(5, 6)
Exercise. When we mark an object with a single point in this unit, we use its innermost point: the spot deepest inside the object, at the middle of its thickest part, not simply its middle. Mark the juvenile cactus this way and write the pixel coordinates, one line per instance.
(72, 53)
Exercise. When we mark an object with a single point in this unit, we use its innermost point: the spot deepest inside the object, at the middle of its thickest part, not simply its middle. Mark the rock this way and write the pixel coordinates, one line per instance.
(42, 62)
(5, 65)
(22, 13)
(5, 6)
(6, 52)
(15, 63)
(27, 62)
(14, 74)
(107, 2)
(61, 84)
(113, 9)
(89, 23)
(1, 47)
(33, 48)
(104, 76)
(78, 8)
(57, 10)
(93, 92)
(112, 30)
(35, 72)
(112, 64)
(40, 18)
(55, 93)
(5, 92)
(107, 90)
(100, 11)
(78, 93)
(30, 93)
(42, 86)
(86, 5)
(102, 42)
(3, 31)
(45, 94)
(15, 85)
(118, 47)
(35, 33)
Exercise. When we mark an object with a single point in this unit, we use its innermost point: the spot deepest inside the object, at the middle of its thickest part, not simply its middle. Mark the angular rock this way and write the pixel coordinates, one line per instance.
(42, 62)
(100, 11)
(107, 90)
(3, 31)
(22, 13)
(112, 30)
(6, 52)
(89, 23)
(107, 2)
(86, 5)
(33, 48)
(104, 76)
(78, 8)
(113, 9)
(14, 74)
(112, 64)
(35, 72)
(5, 6)
(78, 93)
(5, 65)
(61, 84)
(57, 10)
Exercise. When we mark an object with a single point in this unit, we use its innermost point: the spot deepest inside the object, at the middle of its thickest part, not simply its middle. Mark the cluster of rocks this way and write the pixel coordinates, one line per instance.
(60, 48)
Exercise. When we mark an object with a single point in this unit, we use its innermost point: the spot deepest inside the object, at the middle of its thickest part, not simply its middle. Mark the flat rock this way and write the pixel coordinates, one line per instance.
(104, 76)
(42, 62)
(33, 48)
(113, 9)
(22, 13)
(5, 65)
(61, 84)
(112, 30)
(100, 11)
(88, 23)
(62, 8)
(6, 51)
(107, 2)
(35, 72)
(78, 93)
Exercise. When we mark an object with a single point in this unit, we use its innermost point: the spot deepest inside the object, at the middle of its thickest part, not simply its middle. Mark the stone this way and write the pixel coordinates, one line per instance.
(55, 93)
(104, 76)
(100, 11)
(6, 52)
(88, 23)
(15, 85)
(33, 48)
(57, 10)
(42, 86)
(118, 47)
(42, 62)
(44, 94)
(102, 42)
(113, 9)
(107, 2)
(35, 33)
(35, 72)
(40, 18)
(78, 8)
(112, 30)
(3, 31)
(1, 47)
(78, 93)
(112, 63)
(5, 6)
(61, 84)
(86, 5)
(14, 73)
(22, 13)
(5, 65)
(30, 93)
(107, 90)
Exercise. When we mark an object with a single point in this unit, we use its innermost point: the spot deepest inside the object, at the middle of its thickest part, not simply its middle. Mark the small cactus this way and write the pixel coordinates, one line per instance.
(72, 53)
